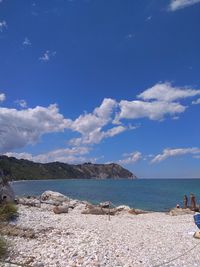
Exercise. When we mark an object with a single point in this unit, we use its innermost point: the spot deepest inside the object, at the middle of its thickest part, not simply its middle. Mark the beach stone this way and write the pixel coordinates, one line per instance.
(29, 201)
(60, 209)
(54, 197)
(73, 203)
(79, 208)
(124, 207)
(138, 211)
(105, 204)
(180, 211)
(95, 210)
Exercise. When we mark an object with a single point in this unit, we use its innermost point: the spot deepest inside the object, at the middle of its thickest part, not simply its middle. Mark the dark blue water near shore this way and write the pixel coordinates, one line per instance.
(148, 194)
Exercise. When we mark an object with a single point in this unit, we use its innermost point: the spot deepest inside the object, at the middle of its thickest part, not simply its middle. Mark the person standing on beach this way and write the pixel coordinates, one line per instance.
(185, 202)
(192, 202)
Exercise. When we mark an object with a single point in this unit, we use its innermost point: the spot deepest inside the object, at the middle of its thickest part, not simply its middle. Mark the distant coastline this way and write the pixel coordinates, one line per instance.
(20, 169)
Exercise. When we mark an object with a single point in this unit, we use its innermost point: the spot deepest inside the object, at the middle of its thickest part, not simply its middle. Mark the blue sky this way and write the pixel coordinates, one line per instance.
(102, 81)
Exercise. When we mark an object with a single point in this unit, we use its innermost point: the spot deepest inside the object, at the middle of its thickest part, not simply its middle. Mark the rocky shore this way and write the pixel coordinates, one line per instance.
(39, 237)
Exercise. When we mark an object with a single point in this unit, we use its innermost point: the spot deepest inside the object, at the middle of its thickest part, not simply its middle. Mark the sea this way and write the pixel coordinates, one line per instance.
(147, 194)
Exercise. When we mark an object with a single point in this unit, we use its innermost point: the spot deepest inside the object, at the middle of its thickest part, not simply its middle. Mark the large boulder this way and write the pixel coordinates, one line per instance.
(6, 193)
(52, 197)
(96, 210)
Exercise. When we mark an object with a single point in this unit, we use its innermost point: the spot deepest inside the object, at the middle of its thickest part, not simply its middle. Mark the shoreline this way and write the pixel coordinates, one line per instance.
(96, 203)
(158, 196)
(74, 239)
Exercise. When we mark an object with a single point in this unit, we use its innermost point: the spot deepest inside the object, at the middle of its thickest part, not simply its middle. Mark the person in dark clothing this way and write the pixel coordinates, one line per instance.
(185, 202)
(192, 202)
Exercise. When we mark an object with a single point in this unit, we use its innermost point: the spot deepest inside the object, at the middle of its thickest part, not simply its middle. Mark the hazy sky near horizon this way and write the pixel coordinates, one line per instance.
(102, 81)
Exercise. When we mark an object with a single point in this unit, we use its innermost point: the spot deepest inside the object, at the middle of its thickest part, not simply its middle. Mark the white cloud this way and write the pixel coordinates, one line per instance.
(100, 117)
(166, 92)
(179, 4)
(3, 25)
(169, 152)
(2, 97)
(90, 125)
(66, 155)
(47, 56)
(22, 103)
(96, 136)
(131, 158)
(196, 102)
(157, 102)
(116, 130)
(22, 155)
(155, 110)
(22, 127)
(27, 42)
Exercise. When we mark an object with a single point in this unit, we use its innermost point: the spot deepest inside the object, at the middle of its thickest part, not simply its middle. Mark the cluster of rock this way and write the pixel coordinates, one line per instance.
(60, 203)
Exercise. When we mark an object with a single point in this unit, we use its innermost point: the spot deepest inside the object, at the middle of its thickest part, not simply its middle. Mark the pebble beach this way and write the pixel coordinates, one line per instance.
(74, 239)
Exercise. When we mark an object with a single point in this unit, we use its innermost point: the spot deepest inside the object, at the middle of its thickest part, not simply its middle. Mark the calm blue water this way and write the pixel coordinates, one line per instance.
(148, 194)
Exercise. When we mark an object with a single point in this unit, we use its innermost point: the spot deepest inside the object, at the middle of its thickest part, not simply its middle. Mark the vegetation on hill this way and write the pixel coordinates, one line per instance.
(20, 169)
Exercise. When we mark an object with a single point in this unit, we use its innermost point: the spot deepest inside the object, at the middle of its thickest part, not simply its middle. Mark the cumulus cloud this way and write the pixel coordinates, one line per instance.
(26, 42)
(90, 125)
(66, 155)
(47, 56)
(97, 135)
(156, 102)
(155, 110)
(131, 158)
(169, 152)
(166, 92)
(97, 119)
(3, 25)
(196, 102)
(179, 4)
(21, 102)
(2, 97)
(22, 127)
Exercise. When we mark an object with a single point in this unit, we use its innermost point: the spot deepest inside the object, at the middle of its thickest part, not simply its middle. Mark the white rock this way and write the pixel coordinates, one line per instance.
(54, 196)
